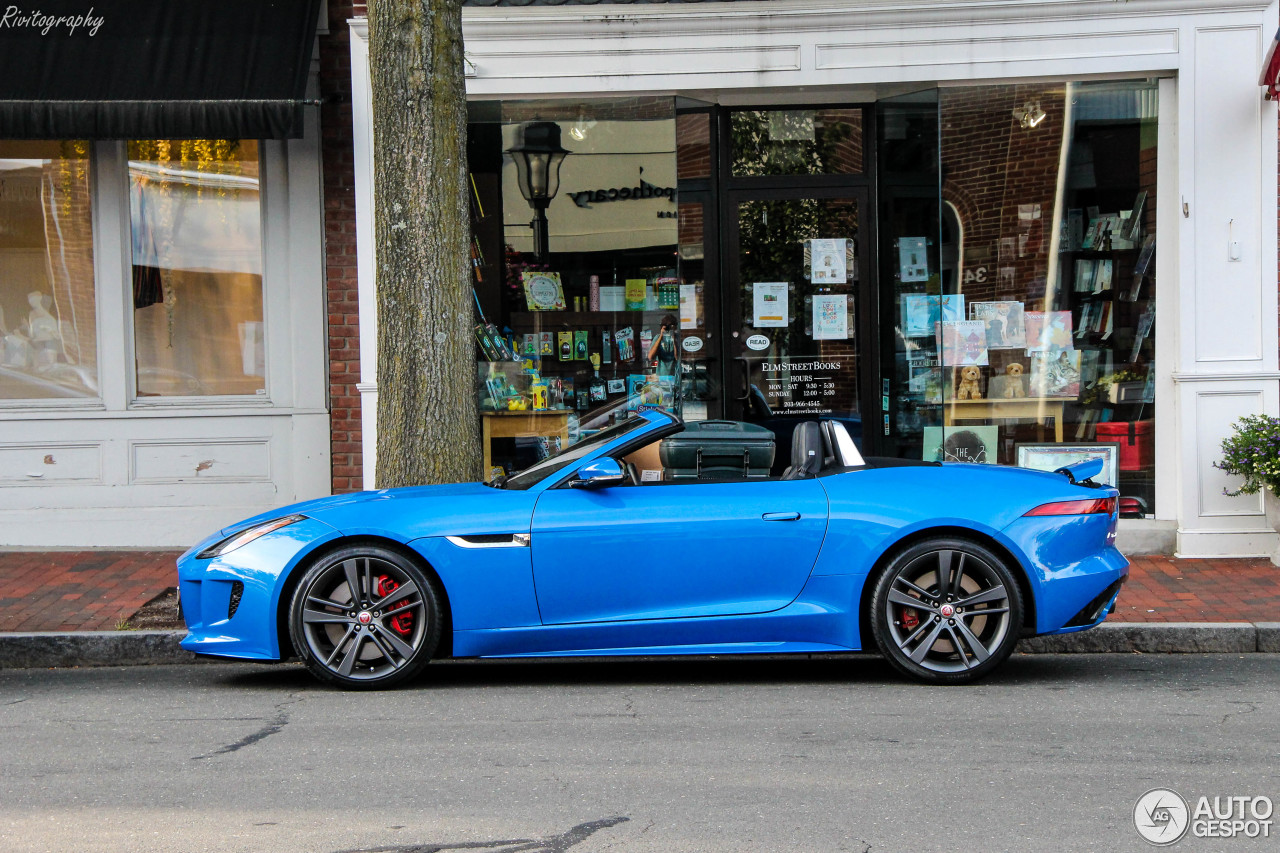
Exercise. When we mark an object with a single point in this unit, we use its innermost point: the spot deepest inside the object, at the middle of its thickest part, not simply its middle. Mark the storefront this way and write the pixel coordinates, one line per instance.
(161, 276)
(944, 224)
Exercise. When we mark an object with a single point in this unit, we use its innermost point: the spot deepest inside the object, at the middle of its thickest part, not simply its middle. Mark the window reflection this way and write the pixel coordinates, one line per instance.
(797, 142)
(48, 314)
(197, 267)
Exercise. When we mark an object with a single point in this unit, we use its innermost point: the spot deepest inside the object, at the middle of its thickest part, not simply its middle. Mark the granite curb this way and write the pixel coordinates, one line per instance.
(133, 648)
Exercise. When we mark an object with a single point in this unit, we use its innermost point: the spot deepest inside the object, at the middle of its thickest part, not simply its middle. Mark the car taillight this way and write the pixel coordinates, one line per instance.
(1091, 506)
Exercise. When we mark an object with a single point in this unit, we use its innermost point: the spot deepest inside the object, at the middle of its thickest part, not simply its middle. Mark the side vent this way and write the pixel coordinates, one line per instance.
(237, 590)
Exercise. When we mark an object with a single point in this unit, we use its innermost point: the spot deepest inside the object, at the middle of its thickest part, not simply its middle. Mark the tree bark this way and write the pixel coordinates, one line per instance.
(428, 430)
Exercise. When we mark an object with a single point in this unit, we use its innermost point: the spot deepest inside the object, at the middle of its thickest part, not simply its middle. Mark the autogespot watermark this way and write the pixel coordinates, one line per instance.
(1163, 817)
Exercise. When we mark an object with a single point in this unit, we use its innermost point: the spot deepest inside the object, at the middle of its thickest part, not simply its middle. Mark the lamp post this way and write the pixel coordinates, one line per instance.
(538, 157)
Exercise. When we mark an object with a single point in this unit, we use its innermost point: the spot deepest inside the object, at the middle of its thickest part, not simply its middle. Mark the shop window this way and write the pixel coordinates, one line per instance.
(48, 313)
(590, 294)
(1024, 327)
(796, 142)
(196, 228)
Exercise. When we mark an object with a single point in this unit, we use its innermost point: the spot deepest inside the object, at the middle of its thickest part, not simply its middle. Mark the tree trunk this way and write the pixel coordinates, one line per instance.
(428, 428)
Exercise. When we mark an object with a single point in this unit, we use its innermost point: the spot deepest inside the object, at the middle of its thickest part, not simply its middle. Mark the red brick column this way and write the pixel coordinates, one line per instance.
(340, 247)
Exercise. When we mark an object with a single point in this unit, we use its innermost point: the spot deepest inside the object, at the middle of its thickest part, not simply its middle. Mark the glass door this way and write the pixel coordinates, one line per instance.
(796, 309)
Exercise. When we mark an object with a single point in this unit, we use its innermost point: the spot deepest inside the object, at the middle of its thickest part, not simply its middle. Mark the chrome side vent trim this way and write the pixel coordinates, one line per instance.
(491, 540)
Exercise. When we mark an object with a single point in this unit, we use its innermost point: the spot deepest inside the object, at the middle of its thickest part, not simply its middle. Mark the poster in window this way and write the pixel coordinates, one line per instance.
(650, 391)
(1055, 374)
(830, 317)
(827, 261)
(913, 259)
(926, 382)
(962, 343)
(769, 301)
(1005, 327)
(688, 306)
(1048, 331)
(951, 307)
(920, 315)
(961, 444)
(543, 291)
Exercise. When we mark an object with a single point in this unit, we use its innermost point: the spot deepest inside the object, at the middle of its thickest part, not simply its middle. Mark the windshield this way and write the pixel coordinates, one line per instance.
(552, 464)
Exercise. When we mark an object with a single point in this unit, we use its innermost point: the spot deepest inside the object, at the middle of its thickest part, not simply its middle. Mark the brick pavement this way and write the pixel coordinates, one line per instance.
(97, 590)
(79, 590)
(1165, 589)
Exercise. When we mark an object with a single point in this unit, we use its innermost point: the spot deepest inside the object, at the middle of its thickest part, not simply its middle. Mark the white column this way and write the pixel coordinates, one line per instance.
(362, 118)
(1226, 273)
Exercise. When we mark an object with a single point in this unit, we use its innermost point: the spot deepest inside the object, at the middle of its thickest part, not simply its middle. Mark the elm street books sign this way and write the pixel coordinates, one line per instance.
(138, 69)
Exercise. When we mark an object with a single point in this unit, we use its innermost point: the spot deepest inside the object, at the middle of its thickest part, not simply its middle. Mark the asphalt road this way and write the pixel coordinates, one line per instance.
(703, 755)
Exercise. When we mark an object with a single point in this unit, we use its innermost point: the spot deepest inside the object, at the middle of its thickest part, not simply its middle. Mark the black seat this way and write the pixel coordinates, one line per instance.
(806, 452)
(632, 474)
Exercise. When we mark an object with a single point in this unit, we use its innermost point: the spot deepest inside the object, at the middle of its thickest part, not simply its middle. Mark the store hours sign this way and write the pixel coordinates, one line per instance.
(799, 386)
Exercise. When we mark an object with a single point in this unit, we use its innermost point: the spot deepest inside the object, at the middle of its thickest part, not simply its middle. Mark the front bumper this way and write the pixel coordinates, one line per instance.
(231, 604)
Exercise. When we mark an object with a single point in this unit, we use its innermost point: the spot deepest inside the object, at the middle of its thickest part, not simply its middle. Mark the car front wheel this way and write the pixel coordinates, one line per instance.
(946, 611)
(365, 617)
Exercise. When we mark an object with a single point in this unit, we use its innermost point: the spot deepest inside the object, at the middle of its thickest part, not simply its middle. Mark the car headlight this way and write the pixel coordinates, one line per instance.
(244, 537)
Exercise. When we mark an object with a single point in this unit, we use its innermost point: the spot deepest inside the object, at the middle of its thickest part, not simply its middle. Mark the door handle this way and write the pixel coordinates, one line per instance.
(746, 381)
(780, 516)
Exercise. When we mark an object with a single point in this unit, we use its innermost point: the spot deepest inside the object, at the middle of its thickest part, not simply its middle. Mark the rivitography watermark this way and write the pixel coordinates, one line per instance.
(14, 18)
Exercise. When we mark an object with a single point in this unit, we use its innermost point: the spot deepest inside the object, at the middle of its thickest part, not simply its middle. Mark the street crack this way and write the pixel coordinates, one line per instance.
(277, 723)
(1252, 708)
(549, 844)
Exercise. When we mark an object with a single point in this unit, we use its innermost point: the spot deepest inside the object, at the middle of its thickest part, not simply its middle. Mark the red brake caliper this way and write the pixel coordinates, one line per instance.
(403, 623)
(909, 618)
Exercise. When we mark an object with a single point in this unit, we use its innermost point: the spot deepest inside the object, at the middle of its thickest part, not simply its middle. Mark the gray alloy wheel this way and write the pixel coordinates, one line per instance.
(946, 611)
(365, 617)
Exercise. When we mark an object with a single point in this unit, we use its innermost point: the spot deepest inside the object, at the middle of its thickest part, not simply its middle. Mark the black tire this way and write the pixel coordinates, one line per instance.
(351, 627)
(946, 611)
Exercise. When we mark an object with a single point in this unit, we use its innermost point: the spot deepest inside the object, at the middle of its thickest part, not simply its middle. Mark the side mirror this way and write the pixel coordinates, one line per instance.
(598, 473)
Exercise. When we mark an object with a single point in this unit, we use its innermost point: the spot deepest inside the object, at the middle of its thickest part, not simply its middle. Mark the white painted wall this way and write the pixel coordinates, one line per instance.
(1216, 321)
(131, 472)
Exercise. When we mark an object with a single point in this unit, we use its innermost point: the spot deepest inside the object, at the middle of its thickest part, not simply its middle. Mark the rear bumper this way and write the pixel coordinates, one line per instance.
(1096, 611)
(1084, 598)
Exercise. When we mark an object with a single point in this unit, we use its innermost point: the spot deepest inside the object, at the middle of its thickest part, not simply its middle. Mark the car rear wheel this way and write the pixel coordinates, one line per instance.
(946, 611)
(365, 617)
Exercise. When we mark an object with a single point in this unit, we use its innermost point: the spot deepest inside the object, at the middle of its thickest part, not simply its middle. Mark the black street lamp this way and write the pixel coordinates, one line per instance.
(538, 157)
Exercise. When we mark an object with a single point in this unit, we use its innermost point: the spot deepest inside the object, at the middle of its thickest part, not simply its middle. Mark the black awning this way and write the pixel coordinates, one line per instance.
(154, 69)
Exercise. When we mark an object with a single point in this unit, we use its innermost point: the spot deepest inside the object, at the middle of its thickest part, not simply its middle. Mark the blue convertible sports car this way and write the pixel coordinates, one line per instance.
(941, 567)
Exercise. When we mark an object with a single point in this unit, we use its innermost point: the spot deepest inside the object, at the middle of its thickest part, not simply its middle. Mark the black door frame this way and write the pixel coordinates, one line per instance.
(726, 192)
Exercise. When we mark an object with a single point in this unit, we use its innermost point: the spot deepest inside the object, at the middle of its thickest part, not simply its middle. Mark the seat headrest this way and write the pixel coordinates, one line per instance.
(806, 449)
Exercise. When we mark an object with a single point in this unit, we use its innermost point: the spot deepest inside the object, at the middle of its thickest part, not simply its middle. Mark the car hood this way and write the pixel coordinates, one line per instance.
(453, 509)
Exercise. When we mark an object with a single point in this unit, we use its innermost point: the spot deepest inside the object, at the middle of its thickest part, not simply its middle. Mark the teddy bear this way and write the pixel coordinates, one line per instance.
(968, 387)
(1014, 385)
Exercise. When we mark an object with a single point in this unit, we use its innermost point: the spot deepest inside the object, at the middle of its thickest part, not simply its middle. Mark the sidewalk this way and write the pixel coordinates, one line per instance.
(79, 590)
(98, 590)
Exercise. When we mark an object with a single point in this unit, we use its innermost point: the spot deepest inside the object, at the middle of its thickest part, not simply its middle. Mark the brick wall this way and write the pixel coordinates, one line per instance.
(340, 247)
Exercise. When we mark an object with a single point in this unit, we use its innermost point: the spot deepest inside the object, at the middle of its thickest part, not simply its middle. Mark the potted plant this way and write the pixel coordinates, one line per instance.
(1252, 451)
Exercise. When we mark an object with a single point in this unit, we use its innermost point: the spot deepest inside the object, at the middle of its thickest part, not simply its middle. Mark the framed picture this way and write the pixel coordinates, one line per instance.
(1051, 457)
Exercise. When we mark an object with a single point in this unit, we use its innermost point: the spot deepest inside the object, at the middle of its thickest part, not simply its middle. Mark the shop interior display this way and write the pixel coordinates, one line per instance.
(1031, 323)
